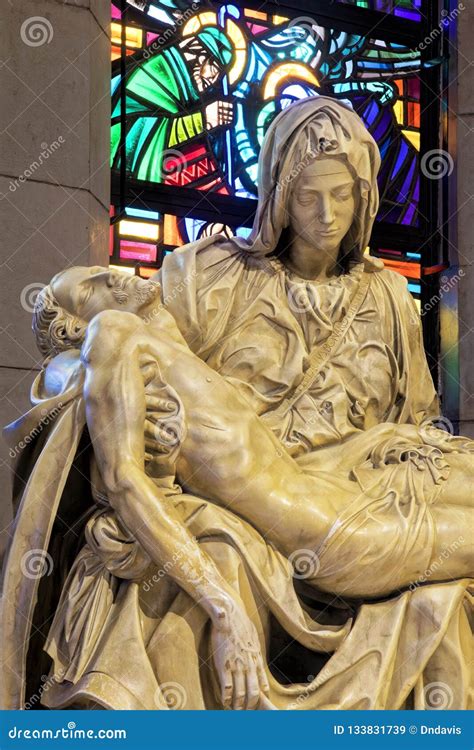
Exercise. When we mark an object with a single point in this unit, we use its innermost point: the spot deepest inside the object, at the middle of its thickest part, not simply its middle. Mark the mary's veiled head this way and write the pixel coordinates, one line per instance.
(317, 176)
(320, 208)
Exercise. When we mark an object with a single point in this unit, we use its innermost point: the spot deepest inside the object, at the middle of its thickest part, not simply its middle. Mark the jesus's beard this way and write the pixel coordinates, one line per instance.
(142, 292)
(146, 293)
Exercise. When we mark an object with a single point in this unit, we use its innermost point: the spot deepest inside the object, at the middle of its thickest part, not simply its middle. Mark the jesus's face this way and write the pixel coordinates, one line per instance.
(322, 204)
(84, 291)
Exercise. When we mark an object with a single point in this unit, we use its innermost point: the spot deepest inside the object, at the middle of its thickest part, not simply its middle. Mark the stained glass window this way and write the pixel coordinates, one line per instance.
(196, 85)
(409, 9)
(198, 107)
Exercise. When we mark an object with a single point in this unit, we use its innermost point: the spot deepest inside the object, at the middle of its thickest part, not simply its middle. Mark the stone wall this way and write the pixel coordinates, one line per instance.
(457, 305)
(54, 172)
(465, 216)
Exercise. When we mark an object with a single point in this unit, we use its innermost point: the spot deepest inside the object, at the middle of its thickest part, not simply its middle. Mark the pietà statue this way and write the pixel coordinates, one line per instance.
(239, 458)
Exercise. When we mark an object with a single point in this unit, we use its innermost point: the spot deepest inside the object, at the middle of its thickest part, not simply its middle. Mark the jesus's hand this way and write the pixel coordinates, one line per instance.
(238, 660)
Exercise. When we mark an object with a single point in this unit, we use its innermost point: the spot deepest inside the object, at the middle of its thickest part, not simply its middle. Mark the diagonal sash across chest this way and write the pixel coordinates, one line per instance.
(320, 355)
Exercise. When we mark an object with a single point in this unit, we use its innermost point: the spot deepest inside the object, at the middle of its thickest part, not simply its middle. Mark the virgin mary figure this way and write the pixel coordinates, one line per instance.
(344, 529)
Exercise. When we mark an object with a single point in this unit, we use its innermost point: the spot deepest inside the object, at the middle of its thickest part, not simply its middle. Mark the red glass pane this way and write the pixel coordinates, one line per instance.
(137, 251)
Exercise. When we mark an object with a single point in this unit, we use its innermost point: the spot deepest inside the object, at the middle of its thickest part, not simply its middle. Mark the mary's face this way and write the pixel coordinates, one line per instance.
(322, 203)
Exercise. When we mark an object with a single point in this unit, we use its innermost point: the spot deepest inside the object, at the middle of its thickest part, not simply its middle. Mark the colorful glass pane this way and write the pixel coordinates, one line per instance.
(201, 95)
(173, 231)
(206, 83)
(411, 10)
(408, 264)
(142, 236)
(137, 251)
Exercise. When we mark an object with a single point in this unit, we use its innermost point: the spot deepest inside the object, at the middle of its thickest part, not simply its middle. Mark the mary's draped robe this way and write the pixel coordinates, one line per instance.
(124, 637)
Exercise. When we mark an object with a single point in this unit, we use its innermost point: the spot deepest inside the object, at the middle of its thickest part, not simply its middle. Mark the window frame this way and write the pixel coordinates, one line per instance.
(426, 238)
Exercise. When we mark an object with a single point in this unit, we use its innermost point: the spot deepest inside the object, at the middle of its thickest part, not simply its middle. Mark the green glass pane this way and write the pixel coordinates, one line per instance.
(217, 43)
(114, 141)
(136, 138)
(162, 93)
(159, 69)
(198, 123)
(151, 164)
(185, 128)
(385, 55)
(184, 85)
(132, 106)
